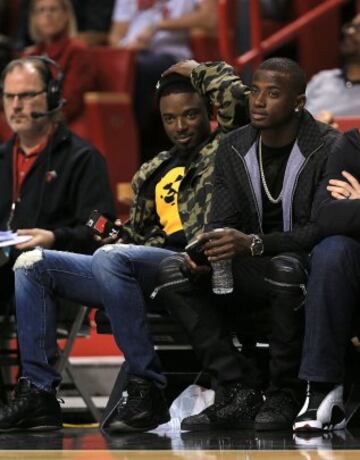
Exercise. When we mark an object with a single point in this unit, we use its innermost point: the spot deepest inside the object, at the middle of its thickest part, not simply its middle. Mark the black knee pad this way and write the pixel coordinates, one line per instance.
(171, 273)
(288, 274)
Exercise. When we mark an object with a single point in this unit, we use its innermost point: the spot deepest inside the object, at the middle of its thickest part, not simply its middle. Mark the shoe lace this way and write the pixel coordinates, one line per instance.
(131, 399)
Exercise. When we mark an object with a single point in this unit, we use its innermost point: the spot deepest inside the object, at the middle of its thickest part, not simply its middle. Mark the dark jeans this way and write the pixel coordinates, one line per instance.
(333, 293)
(118, 277)
(209, 321)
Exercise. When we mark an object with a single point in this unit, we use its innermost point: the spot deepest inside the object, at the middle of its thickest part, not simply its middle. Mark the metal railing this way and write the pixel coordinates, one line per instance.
(261, 47)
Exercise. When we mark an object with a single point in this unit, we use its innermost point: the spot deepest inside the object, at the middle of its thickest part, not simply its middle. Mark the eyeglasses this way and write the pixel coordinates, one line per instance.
(47, 9)
(26, 96)
(351, 25)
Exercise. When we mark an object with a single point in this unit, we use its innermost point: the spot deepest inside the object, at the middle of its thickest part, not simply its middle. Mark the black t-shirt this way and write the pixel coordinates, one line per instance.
(274, 162)
(164, 186)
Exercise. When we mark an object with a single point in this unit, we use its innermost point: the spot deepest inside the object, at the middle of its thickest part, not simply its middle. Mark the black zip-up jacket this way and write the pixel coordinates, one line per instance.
(341, 216)
(237, 198)
(67, 181)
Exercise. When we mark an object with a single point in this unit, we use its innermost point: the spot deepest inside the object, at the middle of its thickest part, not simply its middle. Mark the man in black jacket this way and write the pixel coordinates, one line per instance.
(50, 180)
(266, 178)
(333, 291)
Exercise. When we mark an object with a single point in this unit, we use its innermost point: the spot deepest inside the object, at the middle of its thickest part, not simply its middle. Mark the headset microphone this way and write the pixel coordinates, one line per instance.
(36, 115)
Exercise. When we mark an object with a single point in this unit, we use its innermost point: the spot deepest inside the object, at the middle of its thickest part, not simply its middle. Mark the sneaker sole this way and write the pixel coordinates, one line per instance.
(41, 424)
(38, 428)
(272, 426)
(121, 427)
(218, 426)
(316, 426)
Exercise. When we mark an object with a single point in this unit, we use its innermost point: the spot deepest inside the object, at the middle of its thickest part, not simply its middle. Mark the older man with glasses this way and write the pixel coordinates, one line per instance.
(50, 180)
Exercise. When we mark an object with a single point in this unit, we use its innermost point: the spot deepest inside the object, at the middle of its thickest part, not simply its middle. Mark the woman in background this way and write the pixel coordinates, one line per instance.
(52, 27)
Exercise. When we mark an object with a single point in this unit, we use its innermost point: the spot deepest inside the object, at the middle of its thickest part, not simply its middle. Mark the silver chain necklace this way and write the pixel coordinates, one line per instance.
(263, 180)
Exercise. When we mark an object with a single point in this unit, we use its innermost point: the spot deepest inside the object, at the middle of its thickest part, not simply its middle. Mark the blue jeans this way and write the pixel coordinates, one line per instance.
(117, 278)
(332, 296)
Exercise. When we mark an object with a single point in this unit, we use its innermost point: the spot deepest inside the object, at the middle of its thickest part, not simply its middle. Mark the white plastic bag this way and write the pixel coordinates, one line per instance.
(191, 401)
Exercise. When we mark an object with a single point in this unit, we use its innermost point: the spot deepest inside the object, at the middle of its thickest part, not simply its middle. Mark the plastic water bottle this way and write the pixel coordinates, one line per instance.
(222, 277)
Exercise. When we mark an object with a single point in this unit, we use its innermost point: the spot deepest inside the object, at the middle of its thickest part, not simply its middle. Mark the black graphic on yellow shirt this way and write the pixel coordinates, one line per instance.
(166, 195)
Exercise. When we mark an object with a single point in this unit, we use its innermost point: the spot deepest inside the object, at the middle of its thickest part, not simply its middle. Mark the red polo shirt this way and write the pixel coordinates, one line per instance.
(23, 162)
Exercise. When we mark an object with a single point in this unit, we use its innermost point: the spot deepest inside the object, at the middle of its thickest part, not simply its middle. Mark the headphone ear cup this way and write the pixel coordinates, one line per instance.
(53, 94)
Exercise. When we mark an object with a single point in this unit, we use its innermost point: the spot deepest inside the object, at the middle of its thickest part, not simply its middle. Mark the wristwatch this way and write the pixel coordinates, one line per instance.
(256, 245)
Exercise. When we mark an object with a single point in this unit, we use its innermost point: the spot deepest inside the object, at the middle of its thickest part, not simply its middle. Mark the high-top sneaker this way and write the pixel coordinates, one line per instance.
(321, 410)
(142, 409)
(278, 412)
(236, 408)
(31, 409)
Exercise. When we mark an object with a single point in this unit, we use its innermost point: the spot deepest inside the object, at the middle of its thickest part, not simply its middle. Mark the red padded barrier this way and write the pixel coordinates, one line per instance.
(110, 119)
(346, 123)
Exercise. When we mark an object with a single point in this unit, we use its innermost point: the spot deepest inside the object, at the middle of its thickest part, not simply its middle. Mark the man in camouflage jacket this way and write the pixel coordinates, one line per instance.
(218, 82)
(172, 196)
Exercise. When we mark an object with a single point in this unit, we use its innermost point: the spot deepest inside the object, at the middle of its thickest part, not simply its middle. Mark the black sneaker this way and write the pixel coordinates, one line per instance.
(278, 412)
(236, 408)
(142, 409)
(322, 411)
(31, 409)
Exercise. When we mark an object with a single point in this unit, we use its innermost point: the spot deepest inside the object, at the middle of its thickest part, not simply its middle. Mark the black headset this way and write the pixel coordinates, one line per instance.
(54, 85)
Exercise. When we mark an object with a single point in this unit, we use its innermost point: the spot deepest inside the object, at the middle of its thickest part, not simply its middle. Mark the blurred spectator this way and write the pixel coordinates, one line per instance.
(52, 27)
(3, 11)
(94, 20)
(6, 54)
(336, 92)
(159, 31)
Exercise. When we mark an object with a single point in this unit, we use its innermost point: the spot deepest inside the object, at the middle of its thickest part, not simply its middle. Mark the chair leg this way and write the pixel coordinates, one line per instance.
(81, 388)
(63, 365)
(75, 328)
(115, 395)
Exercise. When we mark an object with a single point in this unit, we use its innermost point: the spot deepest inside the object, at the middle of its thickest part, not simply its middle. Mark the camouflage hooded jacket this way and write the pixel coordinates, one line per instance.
(228, 95)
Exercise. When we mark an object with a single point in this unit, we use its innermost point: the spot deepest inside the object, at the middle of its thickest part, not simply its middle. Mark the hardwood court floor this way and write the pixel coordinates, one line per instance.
(184, 455)
(90, 444)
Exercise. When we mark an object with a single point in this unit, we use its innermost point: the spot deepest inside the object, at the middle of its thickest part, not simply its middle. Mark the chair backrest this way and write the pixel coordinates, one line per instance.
(115, 69)
(110, 118)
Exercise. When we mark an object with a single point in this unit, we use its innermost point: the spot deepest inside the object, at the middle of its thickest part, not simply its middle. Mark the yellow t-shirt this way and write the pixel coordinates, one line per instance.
(166, 200)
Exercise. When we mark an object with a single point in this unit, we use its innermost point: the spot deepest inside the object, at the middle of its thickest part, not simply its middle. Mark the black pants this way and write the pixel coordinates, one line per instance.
(332, 316)
(6, 288)
(251, 310)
